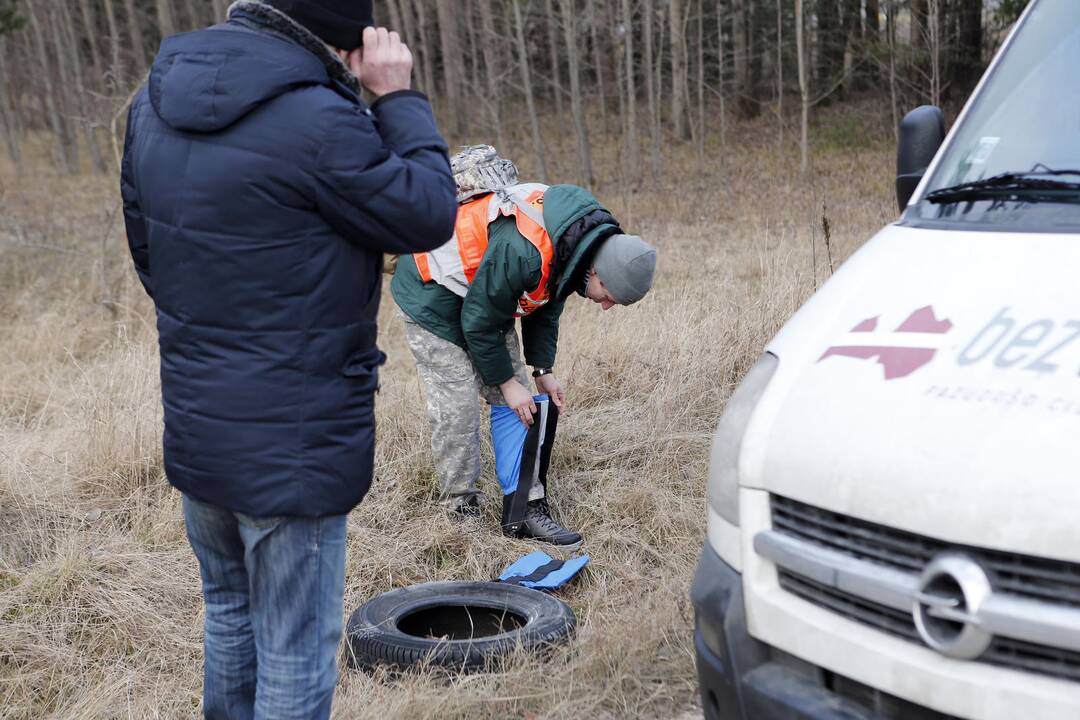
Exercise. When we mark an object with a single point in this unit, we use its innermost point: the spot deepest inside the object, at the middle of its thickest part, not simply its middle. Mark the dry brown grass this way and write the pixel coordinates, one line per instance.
(100, 612)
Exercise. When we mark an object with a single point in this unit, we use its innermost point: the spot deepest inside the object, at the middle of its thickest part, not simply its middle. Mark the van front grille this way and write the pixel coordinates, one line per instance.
(1014, 654)
(1047, 581)
(1051, 581)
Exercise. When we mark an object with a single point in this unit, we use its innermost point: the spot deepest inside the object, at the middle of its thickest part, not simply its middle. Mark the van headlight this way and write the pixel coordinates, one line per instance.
(724, 461)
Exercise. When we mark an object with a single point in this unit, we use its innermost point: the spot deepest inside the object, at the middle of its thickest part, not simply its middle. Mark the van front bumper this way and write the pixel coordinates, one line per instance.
(740, 677)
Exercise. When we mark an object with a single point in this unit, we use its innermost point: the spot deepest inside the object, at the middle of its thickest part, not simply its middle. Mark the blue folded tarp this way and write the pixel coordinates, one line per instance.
(540, 571)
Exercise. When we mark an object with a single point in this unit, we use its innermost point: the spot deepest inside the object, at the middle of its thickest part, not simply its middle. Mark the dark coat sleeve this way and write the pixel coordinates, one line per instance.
(487, 313)
(540, 334)
(134, 221)
(386, 186)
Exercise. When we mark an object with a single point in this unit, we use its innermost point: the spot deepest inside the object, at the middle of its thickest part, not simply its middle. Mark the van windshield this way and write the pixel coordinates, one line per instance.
(1015, 160)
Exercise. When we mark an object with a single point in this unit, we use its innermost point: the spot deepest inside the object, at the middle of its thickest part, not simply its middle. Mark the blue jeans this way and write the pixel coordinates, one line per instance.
(274, 592)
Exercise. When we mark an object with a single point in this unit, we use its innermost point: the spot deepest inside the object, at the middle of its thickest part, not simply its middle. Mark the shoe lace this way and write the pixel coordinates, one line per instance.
(541, 513)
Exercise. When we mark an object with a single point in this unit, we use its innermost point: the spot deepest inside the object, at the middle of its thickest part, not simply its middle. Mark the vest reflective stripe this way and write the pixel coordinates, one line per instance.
(454, 264)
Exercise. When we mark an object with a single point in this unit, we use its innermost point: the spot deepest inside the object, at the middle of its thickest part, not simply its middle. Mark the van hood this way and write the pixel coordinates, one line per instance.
(933, 385)
(205, 81)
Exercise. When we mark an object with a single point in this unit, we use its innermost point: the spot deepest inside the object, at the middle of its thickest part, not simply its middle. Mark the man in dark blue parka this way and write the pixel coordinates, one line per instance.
(259, 195)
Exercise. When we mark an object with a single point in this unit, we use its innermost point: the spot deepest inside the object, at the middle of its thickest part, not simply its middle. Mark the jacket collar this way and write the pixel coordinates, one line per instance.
(260, 16)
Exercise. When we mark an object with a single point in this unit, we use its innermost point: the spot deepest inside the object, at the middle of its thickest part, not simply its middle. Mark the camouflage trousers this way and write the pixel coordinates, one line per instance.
(452, 384)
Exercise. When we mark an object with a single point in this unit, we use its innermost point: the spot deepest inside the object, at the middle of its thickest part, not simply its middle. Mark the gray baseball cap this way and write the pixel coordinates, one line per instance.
(626, 265)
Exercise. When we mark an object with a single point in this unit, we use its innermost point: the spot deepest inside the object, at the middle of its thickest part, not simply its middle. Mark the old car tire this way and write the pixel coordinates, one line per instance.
(455, 625)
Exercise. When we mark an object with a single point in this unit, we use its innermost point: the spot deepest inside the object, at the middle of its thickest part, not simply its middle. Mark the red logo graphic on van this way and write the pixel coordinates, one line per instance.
(898, 361)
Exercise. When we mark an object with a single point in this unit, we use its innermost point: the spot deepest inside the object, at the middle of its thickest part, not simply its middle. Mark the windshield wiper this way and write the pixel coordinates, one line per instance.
(1032, 186)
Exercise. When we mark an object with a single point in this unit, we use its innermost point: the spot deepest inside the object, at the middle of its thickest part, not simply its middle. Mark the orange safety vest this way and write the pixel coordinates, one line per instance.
(454, 265)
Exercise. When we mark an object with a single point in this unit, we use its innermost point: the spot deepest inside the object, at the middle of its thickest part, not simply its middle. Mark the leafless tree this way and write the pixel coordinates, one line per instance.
(552, 24)
(492, 70)
(116, 69)
(581, 127)
(650, 91)
(8, 111)
(451, 62)
(598, 62)
(632, 144)
(804, 86)
(135, 35)
(678, 69)
(780, 74)
(165, 22)
(526, 84)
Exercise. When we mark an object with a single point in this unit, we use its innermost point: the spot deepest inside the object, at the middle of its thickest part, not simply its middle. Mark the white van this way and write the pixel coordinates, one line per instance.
(894, 488)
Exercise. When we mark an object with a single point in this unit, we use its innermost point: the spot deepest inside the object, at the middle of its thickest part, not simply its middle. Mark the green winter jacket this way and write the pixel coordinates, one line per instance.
(510, 267)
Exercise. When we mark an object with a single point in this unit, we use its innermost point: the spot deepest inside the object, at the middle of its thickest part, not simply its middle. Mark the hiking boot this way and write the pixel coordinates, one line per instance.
(539, 525)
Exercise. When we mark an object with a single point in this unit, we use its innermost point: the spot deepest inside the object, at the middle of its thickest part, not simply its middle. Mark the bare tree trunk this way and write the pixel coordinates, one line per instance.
(917, 29)
(166, 24)
(553, 52)
(780, 75)
(633, 145)
(891, 31)
(401, 13)
(804, 87)
(8, 115)
(91, 34)
(870, 41)
(659, 77)
(678, 70)
(970, 44)
(426, 65)
(873, 21)
(598, 63)
(491, 68)
(740, 52)
(620, 77)
(194, 16)
(220, 10)
(650, 91)
(395, 19)
(473, 69)
(48, 99)
(749, 94)
(933, 21)
(701, 79)
(69, 95)
(138, 44)
(581, 125)
(526, 84)
(70, 47)
(721, 71)
(116, 69)
(451, 60)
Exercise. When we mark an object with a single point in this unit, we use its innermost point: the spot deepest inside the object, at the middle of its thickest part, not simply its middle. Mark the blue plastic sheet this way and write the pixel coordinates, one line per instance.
(508, 436)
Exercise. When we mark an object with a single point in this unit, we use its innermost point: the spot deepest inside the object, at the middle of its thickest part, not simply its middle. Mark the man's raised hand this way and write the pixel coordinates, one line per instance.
(383, 64)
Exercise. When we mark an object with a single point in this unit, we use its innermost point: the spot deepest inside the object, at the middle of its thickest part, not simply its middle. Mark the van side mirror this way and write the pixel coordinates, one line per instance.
(921, 133)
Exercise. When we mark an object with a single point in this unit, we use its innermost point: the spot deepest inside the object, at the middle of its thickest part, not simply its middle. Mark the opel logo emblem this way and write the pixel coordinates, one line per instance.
(952, 588)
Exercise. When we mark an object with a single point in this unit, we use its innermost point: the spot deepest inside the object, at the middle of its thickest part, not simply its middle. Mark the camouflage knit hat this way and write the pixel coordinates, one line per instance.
(478, 169)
